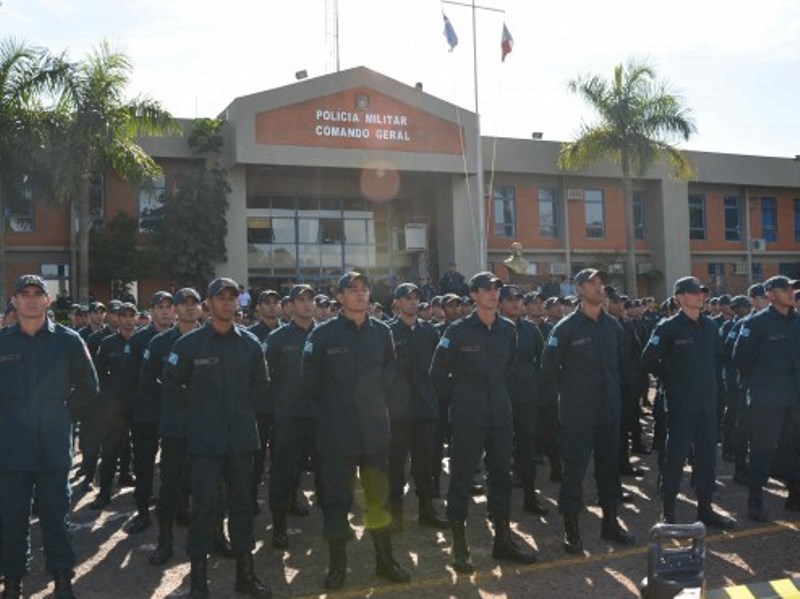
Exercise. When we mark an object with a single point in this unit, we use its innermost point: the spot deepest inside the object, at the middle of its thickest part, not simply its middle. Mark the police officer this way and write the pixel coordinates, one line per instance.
(684, 351)
(413, 409)
(113, 364)
(348, 366)
(145, 409)
(584, 354)
(471, 366)
(47, 377)
(767, 355)
(219, 371)
(96, 316)
(173, 492)
(741, 308)
(525, 388)
(295, 426)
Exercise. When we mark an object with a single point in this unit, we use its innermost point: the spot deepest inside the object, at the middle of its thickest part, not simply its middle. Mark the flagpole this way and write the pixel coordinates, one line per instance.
(483, 248)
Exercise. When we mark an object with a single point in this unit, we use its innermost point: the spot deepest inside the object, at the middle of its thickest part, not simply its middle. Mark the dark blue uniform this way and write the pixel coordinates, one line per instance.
(91, 428)
(585, 358)
(471, 366)
(47, 380)
(348, 371)
(767, 355)
(685, 354)
(223, 380)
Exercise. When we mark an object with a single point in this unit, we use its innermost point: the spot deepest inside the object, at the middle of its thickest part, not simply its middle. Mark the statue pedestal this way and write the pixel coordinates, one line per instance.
(524, 281)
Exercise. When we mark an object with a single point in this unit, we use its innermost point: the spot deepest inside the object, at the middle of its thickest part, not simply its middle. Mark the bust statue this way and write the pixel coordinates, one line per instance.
(515, 262)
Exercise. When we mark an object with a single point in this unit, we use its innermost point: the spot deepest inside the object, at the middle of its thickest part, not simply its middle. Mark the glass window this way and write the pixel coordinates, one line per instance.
(331, 231)
(756, 271)
(504, 211)
(595, 213)
(733, 218)
(797, 220)
(97, 203)
(19, 207)
(548, 213)
(697, 216)
(716, 269)
(54, 271)
(151, 205)
(355, 231)
(638, 215)
(769, 219)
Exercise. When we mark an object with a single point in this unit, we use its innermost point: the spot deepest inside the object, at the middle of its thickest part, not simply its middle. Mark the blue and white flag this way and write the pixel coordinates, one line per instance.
(450, 33)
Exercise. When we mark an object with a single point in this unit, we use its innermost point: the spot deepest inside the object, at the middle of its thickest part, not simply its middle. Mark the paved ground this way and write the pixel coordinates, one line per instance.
(112, 564)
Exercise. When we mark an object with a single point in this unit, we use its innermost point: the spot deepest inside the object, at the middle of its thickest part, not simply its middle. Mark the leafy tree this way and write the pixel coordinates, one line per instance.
(98, 130)
(116, 260)
(638, 119)
(27, 74)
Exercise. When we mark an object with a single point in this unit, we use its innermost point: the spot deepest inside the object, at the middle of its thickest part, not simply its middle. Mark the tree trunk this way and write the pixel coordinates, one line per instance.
(84, 224)
(630, 235)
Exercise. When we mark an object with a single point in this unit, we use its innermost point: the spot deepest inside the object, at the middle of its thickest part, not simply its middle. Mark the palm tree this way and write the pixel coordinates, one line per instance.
(26, 74)
(638, 119)
(98, 130)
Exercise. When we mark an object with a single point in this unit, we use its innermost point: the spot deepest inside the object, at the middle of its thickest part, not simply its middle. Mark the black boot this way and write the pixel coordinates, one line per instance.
(572, 535)
(793, 500)
(12, 588)
(532, 503)
(140, 522)
(280, 537)
(198, 579)
(163, 550)
(246, 581)
(100, 501)
(611, 530)
(63, 588)
(337, 564)
(398, 517)
(668, 511)
(220, 545)
(296, 505)
(755, 506)
(707, 515)
(508, 545)
(461, 560)
(429, 517)
(385, 564)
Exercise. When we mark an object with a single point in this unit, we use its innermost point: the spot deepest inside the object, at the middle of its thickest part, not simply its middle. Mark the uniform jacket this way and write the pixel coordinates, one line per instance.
(412, 395)
(347, 371)
(525, 379)
(284, 351)
(146, 407)
(767, 355)
(472, 365)
(114, 371)
(172, 416)
(45, 381)
(586, 359)
(685, 355)
(223, 380)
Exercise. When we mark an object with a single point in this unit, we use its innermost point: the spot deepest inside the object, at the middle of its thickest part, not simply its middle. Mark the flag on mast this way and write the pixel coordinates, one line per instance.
(506, 43)
(450, 33)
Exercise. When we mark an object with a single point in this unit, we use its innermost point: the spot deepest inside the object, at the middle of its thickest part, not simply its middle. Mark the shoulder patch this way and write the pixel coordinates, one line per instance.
(127, 349)
(173, 358)
(745, 332)
(732, 334)
(444, 342)
(308, 347)
(146, 354)
(655, 340)
(552, 341)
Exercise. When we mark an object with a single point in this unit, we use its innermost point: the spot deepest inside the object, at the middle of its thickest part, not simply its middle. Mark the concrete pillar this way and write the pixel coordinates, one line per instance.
(677, 262)
(236, 240)
(465, 234)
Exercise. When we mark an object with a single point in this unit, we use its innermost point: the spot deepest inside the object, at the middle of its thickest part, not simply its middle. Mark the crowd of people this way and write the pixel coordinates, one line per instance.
(494, 378)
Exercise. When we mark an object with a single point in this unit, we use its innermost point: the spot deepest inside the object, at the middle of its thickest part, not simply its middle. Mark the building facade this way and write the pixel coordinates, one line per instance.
(357, 171)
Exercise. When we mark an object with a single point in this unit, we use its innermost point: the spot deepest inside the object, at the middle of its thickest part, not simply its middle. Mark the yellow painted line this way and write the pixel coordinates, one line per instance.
(785, 588)
(516, 569)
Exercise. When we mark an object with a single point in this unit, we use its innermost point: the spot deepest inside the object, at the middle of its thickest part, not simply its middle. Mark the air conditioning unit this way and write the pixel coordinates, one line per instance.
(574, 194)
(758, 245)
(416, 235)
(740, 268)
(643, 267)
(558, 268)
(616, 268)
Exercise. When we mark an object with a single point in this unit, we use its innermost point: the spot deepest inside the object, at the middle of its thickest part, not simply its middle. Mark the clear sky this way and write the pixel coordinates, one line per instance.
(735, 63)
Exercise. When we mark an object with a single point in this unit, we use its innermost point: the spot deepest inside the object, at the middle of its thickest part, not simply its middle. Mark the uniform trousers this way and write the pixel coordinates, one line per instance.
(687, 433)
(525, 442)
(207, 472)
(292, 439)
(467, 447)
(174, 467)
(414, 437)
(115, 439)
(338, 473)
(265, 425)
(52, 496)
(577, 444)
(145, 448)
(772, 449)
